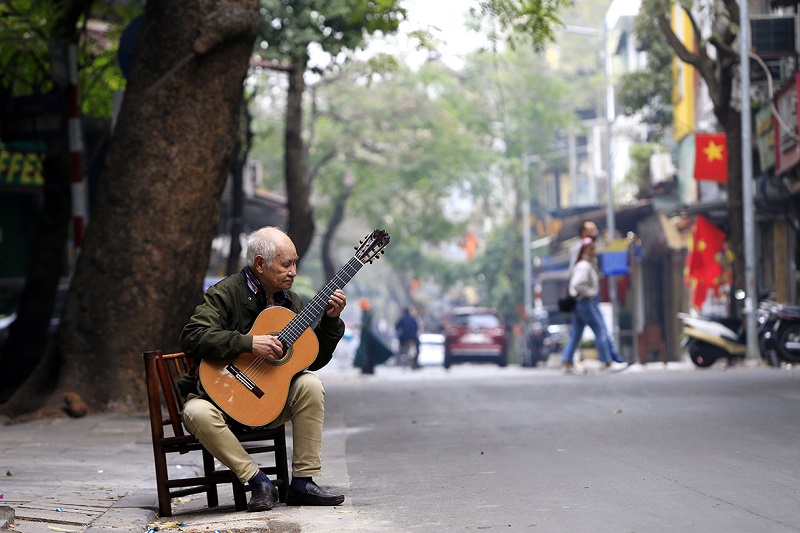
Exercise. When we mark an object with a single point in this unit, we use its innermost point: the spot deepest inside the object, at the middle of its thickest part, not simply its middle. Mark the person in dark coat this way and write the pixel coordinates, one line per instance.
(371, 351)
(407, 331)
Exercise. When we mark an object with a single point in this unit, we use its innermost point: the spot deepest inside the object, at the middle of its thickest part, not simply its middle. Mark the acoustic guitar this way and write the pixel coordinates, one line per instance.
(253, 390)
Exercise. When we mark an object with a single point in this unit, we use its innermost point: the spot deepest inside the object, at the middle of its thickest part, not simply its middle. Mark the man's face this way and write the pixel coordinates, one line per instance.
(280, 275)
(590, 230)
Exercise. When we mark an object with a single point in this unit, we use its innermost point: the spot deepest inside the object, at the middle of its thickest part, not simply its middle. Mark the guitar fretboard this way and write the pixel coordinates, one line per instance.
(316, 307)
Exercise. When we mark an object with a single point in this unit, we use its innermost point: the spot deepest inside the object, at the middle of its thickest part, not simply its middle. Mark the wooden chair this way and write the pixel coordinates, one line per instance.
(165, 404)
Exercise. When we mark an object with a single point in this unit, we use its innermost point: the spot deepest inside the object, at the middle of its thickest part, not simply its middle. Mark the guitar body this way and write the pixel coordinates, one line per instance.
(250, 389)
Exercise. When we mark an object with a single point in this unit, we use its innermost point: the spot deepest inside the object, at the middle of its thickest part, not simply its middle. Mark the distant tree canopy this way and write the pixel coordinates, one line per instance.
(287, 32)
(649, 91)
(521, 21)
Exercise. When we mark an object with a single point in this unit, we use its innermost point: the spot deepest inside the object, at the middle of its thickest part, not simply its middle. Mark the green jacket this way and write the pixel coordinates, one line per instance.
(219, 326)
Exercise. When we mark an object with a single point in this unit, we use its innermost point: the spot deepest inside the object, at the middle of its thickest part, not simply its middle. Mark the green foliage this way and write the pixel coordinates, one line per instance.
(521, 21)
(639, 173)
(29, 30)
(497, 271)
(649, 91)
(25, 27)
(290, 27)
(400, 138)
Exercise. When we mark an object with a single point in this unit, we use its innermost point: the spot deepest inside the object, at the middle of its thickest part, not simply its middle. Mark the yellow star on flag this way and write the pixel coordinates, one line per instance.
(713, 151)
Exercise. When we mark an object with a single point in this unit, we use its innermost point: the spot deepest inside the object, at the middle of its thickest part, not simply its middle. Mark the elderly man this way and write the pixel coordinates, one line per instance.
(219, 330)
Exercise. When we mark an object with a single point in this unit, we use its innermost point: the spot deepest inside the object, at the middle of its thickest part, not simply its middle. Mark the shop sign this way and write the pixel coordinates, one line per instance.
(21, 168)
(765, 137)
(787, 148)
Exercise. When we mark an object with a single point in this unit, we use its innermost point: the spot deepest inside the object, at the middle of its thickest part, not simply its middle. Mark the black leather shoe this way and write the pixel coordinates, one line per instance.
(262, 499)
(313, 496)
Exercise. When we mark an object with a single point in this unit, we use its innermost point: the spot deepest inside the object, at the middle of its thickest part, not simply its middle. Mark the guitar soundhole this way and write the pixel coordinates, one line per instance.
(287, 355)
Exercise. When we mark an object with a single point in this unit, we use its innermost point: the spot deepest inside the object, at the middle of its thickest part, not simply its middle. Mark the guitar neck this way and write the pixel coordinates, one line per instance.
(316, 307)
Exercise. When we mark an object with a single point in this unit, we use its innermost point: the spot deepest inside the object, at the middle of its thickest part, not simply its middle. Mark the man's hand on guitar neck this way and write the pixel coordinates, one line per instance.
(336, 303)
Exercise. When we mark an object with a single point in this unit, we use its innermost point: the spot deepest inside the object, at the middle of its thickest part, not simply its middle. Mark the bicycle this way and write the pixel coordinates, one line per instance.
(407, 356)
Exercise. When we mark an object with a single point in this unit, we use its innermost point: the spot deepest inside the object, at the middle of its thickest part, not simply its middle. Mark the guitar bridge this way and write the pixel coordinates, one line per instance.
(244, 380)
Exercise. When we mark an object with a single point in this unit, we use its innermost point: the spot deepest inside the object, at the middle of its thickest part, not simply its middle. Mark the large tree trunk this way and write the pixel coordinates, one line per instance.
(732, 125)
(147, 246)
(301, 215)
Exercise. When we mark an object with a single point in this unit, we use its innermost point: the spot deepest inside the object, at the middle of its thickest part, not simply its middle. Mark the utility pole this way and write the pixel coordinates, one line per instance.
(751, 298)
(526, 233)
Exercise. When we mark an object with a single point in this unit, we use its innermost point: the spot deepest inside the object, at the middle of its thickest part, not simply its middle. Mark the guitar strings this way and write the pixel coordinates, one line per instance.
(298, 325)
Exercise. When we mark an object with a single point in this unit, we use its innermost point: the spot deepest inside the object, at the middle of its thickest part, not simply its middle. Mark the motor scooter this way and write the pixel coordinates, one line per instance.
(779, 333)
(707, 339)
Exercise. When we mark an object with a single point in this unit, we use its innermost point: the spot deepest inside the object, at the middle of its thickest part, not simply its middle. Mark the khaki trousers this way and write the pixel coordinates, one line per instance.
(305, 408)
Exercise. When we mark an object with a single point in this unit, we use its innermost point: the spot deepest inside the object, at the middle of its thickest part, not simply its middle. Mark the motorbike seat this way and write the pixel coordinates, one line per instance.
(789, 311)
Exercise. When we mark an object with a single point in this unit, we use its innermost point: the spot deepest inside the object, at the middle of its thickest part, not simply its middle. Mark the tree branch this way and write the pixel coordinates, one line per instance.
(700, 61)
(272, 65)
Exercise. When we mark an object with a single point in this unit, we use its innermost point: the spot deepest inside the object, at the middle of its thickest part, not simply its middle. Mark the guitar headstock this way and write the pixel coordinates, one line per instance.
(372, 246)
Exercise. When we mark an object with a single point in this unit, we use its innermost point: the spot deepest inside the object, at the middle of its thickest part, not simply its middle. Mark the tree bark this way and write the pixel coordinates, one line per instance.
(339, 207)
(241, 149)
(301, 214)
(147, 246)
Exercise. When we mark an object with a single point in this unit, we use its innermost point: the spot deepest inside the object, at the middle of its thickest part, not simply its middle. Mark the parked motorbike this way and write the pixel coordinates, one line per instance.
(708, 339)
(543, 335)
(779, 333)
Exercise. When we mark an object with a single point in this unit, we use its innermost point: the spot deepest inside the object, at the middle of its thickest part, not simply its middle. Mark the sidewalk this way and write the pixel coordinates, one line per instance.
(96, 474)
(87, 474)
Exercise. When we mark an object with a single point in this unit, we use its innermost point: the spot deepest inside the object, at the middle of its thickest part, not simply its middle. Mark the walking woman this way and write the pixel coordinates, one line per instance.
(584, 286)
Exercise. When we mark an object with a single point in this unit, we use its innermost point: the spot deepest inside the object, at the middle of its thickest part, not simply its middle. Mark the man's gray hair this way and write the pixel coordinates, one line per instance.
(261, 242)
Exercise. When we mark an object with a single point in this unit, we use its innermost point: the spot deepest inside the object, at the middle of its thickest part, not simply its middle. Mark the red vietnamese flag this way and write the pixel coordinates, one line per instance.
(704, 270)
(711, 157)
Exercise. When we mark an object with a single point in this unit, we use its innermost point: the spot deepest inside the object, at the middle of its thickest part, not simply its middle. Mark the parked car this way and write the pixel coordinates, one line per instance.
(475, 334)
(431, 349)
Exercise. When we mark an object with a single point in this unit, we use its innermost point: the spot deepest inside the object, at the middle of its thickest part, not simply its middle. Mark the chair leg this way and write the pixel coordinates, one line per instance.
(211, 490)
(281, 462)
(164, 500)
(239, 495)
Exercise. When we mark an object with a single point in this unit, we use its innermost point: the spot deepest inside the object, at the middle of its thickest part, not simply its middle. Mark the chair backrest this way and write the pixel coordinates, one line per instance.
(162, 372)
